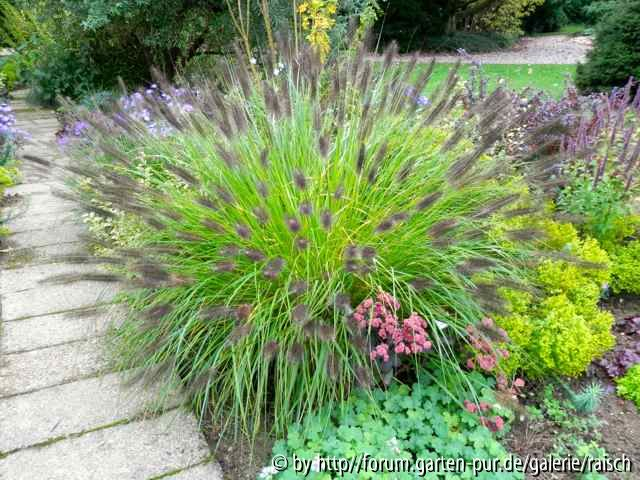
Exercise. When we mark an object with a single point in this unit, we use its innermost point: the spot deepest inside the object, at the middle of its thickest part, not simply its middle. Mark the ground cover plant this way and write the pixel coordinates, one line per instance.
(629, 385)
(407, 423)
(626, 354)
(260, 217)
(574, 431)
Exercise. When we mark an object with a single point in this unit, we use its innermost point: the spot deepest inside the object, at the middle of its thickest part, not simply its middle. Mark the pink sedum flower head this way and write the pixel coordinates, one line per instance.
(470, 406)
(486, 362)
(388, 300)
(406, 337)
(381, 352)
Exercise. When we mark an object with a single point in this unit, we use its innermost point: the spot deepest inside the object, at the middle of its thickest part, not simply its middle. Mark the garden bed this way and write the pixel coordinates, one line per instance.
(614, 426)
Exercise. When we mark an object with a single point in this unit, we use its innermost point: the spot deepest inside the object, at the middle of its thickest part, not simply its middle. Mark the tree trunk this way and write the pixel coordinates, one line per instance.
(451, 24)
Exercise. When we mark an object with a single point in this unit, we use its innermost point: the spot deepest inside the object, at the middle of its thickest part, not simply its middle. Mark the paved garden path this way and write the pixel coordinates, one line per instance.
(63, 415)
(545, 49)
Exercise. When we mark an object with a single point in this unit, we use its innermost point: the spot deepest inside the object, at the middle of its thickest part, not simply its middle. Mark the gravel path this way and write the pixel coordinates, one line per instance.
(548, 49)
(63, 414)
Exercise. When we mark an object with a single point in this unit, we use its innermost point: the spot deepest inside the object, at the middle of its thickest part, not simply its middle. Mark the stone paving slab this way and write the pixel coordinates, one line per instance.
(28, 223)
(49, 330)
(53, 236)
(63, 414)
(32, 276)
(33, 173)
(46, 300)
(35, 188)
(30, 188)
(46, 367)
(52, 205)
(134, 451)
(72, 408)
(208, 470)
(15, 258)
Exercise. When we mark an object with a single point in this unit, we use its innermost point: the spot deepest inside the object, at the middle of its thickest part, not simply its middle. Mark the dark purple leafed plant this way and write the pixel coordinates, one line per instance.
(626, 355)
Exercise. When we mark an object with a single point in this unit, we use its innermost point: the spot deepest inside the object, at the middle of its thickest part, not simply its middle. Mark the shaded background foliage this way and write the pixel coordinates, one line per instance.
(616, 54)
(75, 47)
(85, 45)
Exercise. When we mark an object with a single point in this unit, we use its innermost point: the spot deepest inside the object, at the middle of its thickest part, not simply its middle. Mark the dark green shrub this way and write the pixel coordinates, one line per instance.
(74, 47)
(596, 11)
(551, 16)
(471, 42)
(61, 70)
(577, 10)
(615, 56)
(413, 23)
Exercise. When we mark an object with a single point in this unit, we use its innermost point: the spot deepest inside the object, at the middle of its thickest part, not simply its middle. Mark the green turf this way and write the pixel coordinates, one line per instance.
(549, 78)
(570, 29)
(575, 29)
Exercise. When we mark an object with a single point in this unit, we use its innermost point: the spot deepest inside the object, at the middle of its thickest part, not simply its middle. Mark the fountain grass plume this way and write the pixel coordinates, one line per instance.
(270, 207)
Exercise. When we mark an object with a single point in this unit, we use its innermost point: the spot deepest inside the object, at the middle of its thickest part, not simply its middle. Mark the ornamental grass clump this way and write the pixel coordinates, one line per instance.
(279, 204)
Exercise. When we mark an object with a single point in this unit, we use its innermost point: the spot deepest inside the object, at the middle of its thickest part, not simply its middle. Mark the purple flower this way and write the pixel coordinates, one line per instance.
(422, 101)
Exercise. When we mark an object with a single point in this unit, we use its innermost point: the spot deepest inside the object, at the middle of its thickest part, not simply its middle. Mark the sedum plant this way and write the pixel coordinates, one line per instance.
(273, 206)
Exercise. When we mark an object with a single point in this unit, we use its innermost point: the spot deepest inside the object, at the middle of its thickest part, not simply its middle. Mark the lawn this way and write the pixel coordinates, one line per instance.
(550, 78)
(570, 29)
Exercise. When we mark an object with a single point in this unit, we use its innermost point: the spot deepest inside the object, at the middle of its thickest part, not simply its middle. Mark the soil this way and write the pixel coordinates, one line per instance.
(619, 432)
(620, 420)
(237, 458)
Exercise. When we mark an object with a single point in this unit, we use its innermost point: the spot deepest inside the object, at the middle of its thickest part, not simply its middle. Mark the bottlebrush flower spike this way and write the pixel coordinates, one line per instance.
(266, 180)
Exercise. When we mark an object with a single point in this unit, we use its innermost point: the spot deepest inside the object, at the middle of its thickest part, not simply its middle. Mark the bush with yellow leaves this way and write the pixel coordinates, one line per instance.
(317, 17)
(561, 329)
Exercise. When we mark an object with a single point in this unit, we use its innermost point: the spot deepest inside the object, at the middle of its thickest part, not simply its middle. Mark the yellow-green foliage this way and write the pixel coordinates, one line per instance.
(625, 274)
(624, 227)
(562, 330)
(317, 18)
(508, 16)
(629, 385)
(8, 177)
(559, 235)
(568, 336)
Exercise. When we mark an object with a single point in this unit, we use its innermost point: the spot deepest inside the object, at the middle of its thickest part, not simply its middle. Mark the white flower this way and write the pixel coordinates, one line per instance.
(394, 445)
(253, 60)
(276, 72)
(267, 472)
(441, 325)
(315, 465)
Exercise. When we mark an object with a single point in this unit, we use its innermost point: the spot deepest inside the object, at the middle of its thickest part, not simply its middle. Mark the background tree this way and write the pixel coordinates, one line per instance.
(616, 53)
